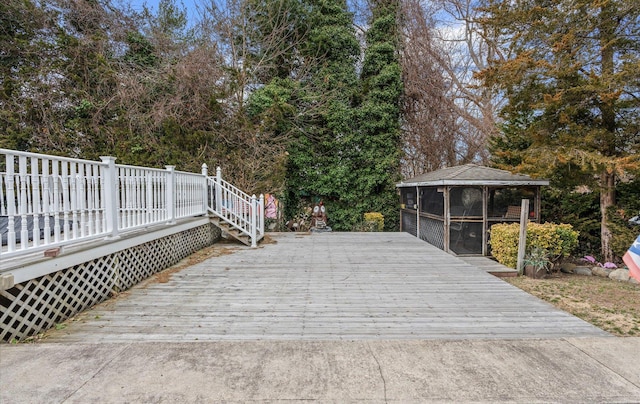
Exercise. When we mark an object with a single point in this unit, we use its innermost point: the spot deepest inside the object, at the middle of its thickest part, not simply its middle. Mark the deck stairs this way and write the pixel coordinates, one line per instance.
(231, 231)
(237, 213)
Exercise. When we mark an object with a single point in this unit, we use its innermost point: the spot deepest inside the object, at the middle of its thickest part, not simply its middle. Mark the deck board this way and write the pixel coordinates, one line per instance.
(328, 286)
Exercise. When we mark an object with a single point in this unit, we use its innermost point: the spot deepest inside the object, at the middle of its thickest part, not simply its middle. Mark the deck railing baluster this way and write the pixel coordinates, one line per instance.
(23, 203)
(46, 201)
(82, 199)
(89, 200)
(65, 200)
(98, 209)
(11, 203)
(56, 200)
(3, 209)
(140, 206)
(36, 200)
(73, 199)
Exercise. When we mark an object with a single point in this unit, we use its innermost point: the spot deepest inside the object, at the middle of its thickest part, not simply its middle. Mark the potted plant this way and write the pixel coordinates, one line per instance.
(537, 263)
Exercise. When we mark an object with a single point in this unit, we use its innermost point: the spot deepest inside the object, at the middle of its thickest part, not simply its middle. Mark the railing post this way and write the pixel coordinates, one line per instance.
(254, 224)
(205, 188)
(218, 190)
(261, 214)
(11, 198)
(110, 196)
(171, 194)
(23, 203)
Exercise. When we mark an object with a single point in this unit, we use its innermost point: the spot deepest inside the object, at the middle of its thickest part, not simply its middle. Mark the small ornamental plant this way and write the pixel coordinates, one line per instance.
(538, 261)
(592, 260)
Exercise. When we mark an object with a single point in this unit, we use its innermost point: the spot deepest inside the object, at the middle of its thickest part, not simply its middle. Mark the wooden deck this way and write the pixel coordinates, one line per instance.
(489, 265)
(328, 286)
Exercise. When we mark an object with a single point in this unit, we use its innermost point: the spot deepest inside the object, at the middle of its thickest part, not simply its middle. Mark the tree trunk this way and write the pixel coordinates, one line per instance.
(607, 199)
(607, 179)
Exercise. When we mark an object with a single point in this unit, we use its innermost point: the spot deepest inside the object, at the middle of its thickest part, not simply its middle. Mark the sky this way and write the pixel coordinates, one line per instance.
(190, 5)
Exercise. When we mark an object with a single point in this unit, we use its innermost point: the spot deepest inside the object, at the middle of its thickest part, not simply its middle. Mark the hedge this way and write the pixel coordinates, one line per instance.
(559, 240)
(374, 221)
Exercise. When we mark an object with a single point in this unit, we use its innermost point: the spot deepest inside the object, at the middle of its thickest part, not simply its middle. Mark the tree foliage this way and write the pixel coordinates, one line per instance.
(447, 114)
(430, 133)
(269, 90)
(376, 159)
(305, 99)
(571, 78)
(318, 164)
(24, 29)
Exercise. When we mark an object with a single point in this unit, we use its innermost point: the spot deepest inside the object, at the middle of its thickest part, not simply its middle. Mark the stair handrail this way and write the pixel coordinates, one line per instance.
(236, 208)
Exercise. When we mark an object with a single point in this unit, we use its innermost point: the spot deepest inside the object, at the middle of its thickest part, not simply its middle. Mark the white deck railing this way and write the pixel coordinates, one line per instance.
(243, 212)
(48, 201)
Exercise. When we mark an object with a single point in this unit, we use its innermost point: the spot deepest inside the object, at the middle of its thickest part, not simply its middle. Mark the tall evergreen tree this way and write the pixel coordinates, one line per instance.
(376, 146)
(278, 30)
(318, 164)
(572, 82)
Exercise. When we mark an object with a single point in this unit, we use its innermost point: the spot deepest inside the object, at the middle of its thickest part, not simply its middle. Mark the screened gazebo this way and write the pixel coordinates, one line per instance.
(454, 208)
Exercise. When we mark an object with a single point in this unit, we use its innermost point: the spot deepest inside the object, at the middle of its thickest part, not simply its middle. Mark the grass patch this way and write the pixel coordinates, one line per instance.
(609, 305)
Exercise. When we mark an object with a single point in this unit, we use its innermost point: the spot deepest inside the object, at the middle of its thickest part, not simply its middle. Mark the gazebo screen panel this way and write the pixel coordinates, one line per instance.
(432, 200)
(465, 201)
(409, 222)
(432, 231)
(408, 197)
(466, 237)
(500, 199)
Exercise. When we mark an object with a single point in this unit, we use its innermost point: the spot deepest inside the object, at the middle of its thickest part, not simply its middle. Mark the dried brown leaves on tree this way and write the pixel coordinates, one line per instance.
(429, 124)
(467, 50)
(448, 116)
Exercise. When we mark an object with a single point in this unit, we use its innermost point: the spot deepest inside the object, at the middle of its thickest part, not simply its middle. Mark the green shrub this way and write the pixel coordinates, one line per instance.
(504, 243)
(558, 239)
(374, 221)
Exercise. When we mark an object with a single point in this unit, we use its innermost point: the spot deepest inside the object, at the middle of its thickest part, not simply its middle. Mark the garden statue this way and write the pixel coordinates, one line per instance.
(271, 207)
(319, 218)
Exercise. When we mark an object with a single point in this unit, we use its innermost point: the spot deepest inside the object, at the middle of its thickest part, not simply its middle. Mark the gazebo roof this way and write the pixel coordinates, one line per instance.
(471, 174)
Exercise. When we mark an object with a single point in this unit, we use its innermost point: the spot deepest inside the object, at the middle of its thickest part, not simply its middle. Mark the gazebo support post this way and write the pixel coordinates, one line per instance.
(417, 212)
(522, 242)
(447, 218)
(538, 204)
(485, 221)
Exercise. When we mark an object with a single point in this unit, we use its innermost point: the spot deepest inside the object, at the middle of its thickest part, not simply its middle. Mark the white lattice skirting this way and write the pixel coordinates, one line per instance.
(39, 304)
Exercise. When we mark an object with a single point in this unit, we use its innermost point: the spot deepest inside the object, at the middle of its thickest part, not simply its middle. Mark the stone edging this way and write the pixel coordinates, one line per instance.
(619, 274)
